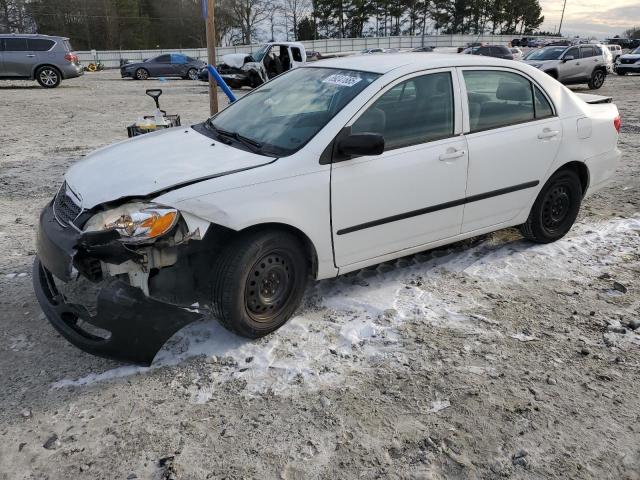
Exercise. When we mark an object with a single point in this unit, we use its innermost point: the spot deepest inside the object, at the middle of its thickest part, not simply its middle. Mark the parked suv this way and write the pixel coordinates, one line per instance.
(49, 60)
(629, 63)
(572, 65)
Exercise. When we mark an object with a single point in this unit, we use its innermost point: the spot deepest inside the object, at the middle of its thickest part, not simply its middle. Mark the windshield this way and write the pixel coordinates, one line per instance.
(636, 51)
(549, 53)
(259, 54)
(280, 117)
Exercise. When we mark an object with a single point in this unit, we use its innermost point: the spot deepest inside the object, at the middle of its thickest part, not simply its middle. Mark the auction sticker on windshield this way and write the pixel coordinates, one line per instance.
(342, 80)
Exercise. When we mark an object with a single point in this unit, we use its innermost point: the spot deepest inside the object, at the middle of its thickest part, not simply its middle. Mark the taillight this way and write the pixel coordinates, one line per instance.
(617, 123)
(71, 57)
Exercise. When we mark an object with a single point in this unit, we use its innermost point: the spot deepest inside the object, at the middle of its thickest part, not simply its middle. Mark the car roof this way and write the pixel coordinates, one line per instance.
(390, 61)
(31, 35)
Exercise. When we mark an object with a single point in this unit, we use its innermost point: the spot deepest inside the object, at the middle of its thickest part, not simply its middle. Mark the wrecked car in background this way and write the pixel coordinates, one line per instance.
(252, 70)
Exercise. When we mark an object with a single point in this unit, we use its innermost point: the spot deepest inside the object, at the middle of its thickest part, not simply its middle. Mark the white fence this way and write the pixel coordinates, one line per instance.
(112, 58)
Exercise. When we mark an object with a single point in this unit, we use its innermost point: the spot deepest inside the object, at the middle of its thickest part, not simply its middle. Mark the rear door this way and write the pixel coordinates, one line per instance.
(178, 65)
(412, 193)
(43, 49)
(513, 134)
(18, 60)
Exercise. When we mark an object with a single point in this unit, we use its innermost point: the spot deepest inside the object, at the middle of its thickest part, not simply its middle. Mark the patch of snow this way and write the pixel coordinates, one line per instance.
(357, 324)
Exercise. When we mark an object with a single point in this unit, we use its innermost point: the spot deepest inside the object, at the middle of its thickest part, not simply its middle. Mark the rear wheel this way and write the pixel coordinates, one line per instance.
(556, 208)
(597, 79)
(259, 282)
(48, 77)
(142, 74)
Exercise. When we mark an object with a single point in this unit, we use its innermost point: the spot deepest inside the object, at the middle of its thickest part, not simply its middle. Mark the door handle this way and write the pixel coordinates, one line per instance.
(452, 155)
(546, 133)
(31, 55)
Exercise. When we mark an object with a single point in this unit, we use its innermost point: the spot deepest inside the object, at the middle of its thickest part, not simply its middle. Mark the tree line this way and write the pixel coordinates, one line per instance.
(142, 24)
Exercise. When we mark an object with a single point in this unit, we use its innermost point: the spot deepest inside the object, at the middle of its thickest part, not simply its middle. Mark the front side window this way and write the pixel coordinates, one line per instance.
(573, 52)
(281, 116)
(415, 111)
(163, 59)
(16, 45)
(497, 99)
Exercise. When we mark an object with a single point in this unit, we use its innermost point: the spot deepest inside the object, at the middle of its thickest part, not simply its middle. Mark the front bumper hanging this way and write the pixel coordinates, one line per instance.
(133, 327)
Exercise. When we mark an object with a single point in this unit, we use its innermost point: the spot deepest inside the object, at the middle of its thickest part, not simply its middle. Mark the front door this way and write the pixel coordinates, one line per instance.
(570, 70)
(513, 137)
(412, 193)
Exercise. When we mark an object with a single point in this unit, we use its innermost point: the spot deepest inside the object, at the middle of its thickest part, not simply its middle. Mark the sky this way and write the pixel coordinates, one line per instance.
(587, 18)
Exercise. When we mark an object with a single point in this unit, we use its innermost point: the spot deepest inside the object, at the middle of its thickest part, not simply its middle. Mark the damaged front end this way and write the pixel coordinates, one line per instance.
(249, 74)
(117, 281)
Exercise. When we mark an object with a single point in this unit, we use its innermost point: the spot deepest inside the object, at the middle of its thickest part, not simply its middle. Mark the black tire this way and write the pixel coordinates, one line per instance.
(259, 282)
(48, 77)
(622, 74)
(192, 74)
(552, 74)
(556, 208)
(142, 74)
(597, 79)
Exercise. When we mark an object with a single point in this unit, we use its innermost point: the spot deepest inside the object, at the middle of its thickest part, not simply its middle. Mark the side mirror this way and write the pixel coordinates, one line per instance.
(567, 58)
(362, 144)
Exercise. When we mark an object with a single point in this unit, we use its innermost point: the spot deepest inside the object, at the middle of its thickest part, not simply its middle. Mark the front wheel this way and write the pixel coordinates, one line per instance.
(555, 209)
(48, 77)
(597, 79)
(259, 281)
(192, 74)
(142, 74)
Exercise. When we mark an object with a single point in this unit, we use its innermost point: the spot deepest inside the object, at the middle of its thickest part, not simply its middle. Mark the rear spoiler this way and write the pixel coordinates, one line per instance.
(593, 99)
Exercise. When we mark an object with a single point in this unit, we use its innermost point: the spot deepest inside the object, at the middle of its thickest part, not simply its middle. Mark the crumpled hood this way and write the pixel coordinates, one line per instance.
(152, 163)
(234, 60)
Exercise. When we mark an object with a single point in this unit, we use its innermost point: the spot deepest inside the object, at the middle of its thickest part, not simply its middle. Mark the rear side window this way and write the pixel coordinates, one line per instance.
(67, 46)
(587, 52)
(40, 44)
(16, 45)
(178, 59)
(297, 55)
(497, 99)
(415, 111)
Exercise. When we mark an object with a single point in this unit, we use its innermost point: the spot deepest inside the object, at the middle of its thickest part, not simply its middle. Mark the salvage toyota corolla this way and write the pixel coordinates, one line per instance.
(324, 170)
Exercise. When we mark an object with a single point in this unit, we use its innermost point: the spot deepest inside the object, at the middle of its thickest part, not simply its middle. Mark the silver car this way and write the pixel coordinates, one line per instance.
(48, 60)
(574, 64)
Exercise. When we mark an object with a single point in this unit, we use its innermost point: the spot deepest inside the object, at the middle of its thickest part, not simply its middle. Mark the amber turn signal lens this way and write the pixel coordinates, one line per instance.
(159, 225)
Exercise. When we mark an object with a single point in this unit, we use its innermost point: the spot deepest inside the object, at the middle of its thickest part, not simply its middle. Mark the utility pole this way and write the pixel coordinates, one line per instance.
(211, 56)
(562, 18)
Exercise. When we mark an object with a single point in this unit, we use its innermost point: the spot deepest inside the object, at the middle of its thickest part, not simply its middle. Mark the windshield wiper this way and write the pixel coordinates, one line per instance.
(253, 145)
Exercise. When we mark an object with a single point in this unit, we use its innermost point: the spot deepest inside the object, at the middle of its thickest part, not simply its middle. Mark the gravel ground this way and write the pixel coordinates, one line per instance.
(486, 359)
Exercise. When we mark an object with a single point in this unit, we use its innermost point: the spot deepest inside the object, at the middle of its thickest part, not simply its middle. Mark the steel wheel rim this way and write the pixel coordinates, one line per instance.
(269, 286)
(556, 207)
(49, 77)
(193, 74)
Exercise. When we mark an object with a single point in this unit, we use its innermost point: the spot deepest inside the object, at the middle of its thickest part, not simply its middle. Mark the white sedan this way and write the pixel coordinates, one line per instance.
(324, 170)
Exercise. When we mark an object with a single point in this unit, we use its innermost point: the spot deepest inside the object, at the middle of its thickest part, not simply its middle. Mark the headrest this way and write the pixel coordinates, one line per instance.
(515, 92)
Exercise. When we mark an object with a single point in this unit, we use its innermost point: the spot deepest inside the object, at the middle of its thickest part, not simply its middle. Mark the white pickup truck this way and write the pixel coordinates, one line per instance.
(255, 68)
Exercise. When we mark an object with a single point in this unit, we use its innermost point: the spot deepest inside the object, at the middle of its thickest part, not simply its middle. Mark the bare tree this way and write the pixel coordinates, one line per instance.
(14, 17)
(294, 11)
(248, 14)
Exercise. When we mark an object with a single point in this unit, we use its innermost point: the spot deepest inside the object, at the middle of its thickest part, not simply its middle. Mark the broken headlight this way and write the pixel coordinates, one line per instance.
(135, 222)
